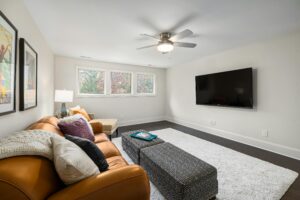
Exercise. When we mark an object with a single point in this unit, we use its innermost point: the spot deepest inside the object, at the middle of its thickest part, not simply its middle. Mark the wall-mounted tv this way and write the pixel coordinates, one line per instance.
(231, 88)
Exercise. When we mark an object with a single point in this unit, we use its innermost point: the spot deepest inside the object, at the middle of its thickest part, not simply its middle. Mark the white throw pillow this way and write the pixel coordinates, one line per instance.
(30, 142)
(72, 164)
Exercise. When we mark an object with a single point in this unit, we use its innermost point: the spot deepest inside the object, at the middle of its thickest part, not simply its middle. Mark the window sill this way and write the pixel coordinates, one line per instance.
(116, 95)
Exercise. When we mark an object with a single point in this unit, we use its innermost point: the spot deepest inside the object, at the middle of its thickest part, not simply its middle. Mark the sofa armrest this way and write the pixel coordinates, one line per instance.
(97, 126)
(126, 183)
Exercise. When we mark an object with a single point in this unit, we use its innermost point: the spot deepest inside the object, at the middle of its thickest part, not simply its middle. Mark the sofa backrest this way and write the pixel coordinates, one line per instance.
(46, 123)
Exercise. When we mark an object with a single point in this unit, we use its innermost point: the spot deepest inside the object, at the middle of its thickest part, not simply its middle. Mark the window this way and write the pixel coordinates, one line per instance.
(95, 82)
(91, 81)
(121, 82)
(145, 83)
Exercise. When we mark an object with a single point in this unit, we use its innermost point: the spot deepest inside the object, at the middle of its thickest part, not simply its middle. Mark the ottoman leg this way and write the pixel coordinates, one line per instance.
(109, 137)
(117, 132)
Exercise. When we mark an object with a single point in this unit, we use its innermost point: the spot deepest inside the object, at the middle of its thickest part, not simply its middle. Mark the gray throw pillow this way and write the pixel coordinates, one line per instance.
(71, 162)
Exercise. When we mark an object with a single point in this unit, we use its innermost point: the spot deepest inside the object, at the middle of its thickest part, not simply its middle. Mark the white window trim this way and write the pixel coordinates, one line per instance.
(154, 84)
(78, 94)
(131, 89)
(107, 83)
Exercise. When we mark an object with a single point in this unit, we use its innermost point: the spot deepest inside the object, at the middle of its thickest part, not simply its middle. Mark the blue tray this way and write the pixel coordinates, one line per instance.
(142, 135)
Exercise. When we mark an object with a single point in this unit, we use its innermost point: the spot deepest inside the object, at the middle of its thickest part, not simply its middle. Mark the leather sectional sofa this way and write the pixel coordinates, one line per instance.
(35, 178)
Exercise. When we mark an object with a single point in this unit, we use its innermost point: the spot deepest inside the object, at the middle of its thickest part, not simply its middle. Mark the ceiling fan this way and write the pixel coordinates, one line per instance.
(166, 41)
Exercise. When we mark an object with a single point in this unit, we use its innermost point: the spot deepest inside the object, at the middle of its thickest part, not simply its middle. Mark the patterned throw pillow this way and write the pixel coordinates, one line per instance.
(76, 125)
(91, 150)
(74, 118)
(71, 163)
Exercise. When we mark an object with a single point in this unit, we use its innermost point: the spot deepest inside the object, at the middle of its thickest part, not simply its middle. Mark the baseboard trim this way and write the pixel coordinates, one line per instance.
(265, 145)
(141, 121)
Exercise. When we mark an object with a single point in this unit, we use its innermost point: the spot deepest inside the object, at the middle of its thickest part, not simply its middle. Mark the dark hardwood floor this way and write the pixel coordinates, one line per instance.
(294, 191)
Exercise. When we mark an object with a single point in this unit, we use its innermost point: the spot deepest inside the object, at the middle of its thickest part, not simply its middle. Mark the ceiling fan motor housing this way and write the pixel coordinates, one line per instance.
(165, 36)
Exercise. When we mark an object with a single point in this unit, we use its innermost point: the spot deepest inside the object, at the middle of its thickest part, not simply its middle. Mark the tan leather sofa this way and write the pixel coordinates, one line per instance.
(35, 178)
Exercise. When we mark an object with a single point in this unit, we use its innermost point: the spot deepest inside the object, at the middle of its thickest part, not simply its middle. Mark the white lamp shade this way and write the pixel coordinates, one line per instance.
(63, 96)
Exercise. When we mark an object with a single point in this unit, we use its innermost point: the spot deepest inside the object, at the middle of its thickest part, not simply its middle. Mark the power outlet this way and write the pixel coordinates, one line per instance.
(265, 133)
(213, 123)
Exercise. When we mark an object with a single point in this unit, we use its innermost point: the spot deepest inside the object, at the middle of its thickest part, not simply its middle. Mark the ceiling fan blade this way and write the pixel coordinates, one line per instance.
(152, 36)
(153, 45)
(181, 35)
(185, 44)
(183, 21)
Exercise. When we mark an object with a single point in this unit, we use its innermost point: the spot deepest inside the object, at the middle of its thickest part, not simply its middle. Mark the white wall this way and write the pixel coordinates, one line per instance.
(129, 110)
(17, 13)
(277, 63)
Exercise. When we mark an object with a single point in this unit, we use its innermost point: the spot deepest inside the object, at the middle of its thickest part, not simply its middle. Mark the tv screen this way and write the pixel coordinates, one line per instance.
(231, 88)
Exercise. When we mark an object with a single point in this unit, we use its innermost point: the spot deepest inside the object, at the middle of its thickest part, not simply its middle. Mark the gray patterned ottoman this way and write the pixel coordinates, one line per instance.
(132, 146)
(178, 174)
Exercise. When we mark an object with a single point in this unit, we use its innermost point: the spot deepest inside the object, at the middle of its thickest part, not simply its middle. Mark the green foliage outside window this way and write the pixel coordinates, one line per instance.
(145, 83)
(91, 81)
(120, 83)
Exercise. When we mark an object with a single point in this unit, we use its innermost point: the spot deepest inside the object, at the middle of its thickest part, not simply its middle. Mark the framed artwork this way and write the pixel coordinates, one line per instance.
(8, 60)
(28, 76)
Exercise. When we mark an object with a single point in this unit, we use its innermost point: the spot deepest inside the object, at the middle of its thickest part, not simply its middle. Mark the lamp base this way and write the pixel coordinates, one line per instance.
(63, 110)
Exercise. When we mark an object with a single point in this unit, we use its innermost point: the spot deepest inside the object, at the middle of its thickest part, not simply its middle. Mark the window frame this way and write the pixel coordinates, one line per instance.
(131, 82)
(154, 84)
(78, 94)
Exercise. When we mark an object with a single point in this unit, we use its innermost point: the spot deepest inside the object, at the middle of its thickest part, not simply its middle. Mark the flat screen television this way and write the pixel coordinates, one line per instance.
(231, 88)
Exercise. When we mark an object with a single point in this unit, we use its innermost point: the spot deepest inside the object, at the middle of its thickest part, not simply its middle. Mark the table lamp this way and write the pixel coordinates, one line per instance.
(63, 96)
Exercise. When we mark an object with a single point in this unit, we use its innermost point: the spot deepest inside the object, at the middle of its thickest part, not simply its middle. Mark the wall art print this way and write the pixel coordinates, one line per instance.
(28, 76)
(8, 51)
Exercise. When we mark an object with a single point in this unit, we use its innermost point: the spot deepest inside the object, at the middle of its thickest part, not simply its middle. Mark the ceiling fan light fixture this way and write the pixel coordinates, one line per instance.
(165, 47)
(167, 41)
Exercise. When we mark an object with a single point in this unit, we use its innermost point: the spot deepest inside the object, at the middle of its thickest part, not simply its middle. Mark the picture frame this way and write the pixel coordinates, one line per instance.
(8, 63)
(28, 75)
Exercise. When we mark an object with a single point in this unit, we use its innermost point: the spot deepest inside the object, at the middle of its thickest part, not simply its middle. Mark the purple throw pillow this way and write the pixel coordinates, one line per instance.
(77, 128)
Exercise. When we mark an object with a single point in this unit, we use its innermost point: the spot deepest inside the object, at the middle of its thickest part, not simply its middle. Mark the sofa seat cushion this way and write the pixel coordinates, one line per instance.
(45, 127)
(108, 149)
(108, 125)
(116, 162)
(101, 137)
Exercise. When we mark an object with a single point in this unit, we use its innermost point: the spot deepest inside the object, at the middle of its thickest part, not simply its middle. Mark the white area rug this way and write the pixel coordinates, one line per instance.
(240, 177)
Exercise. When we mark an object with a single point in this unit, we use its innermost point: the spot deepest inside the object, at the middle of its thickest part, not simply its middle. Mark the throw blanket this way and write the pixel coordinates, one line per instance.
(71, 162)
(31, 142)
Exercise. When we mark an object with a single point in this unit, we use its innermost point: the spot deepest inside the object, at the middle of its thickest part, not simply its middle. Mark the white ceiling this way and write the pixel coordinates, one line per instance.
(109, 30)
